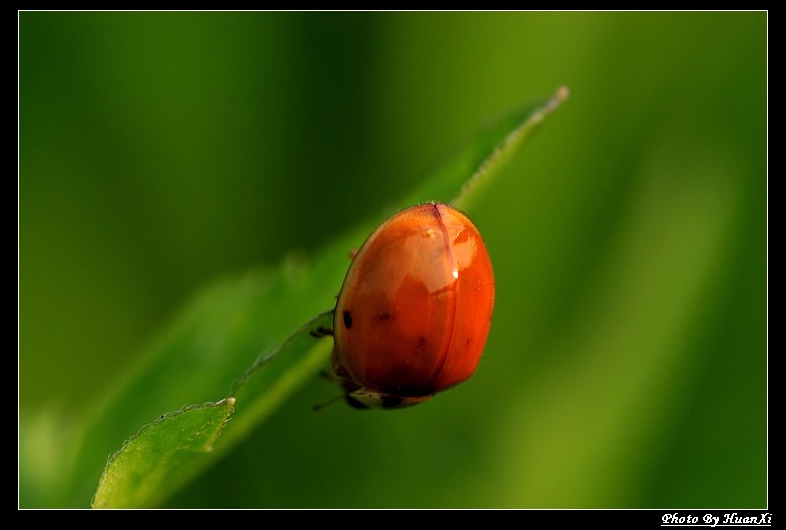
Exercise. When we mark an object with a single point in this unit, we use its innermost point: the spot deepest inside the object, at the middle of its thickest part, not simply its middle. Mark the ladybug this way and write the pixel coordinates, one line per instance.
(414, 311)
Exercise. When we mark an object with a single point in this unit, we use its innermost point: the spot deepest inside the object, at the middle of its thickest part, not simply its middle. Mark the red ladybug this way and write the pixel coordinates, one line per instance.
(415, 308)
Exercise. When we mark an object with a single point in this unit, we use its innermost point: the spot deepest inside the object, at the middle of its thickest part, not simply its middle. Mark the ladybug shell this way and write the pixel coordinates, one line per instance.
(415, 308)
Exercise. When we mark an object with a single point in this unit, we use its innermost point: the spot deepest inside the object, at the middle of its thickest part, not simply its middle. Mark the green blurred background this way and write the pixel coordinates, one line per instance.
(627, 362)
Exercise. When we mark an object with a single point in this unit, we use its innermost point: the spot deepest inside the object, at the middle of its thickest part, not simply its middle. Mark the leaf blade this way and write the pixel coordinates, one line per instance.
(161, 456)
(227, 325)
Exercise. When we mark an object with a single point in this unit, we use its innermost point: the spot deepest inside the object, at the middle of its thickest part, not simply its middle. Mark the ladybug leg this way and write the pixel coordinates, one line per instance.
(320, 332)
(320, 406)
(329, 376)
(334, 379)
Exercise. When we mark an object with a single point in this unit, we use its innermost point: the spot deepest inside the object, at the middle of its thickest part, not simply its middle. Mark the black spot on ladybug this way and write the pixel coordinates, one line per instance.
(421, 341)
(347, 319)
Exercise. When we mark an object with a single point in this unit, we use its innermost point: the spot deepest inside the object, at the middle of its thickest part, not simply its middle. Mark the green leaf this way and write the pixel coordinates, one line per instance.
(241, 347)
(162, 455)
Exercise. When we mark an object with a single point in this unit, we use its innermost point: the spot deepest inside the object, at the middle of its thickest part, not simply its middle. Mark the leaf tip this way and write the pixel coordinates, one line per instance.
(563, 93)
(551, 105)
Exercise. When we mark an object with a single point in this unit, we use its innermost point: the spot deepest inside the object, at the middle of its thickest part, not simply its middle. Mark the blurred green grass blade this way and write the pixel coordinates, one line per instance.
(46, 455)
(226, 331)
(163, 455)
(627, 347)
